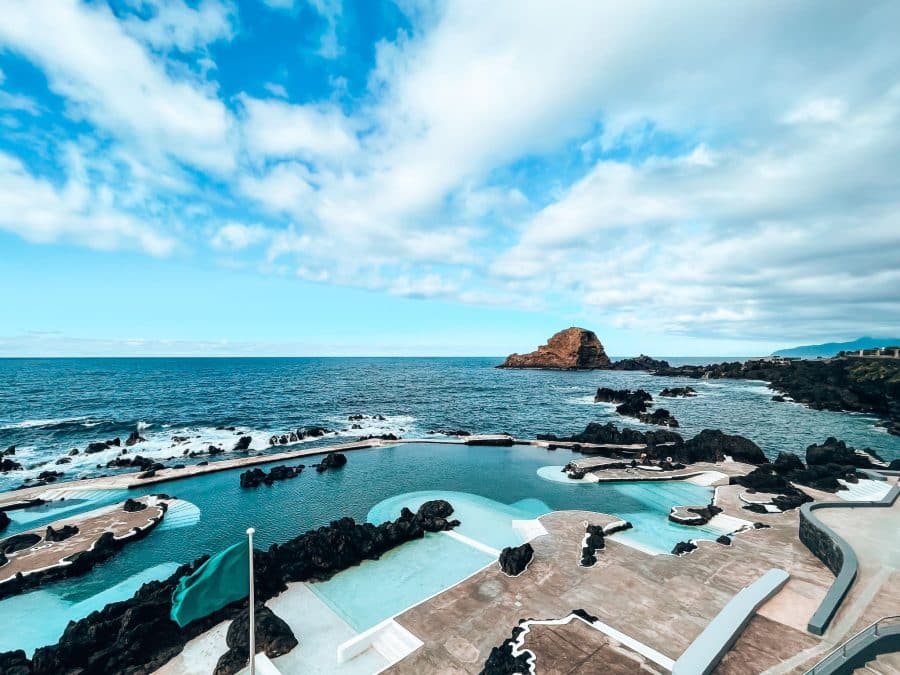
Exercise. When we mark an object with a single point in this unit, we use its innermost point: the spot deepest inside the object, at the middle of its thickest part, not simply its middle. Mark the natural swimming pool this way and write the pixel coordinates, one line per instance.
(368, 487)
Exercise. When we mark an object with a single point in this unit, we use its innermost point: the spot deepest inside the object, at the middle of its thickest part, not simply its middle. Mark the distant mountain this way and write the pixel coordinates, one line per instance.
(831, 348)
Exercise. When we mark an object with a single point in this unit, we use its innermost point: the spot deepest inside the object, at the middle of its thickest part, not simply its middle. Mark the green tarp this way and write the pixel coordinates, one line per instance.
(221, 580)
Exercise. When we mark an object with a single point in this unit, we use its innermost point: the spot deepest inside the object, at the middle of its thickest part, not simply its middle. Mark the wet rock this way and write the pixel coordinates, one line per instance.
(778, 398)
(334, 460)
(243, 443)
(660, 416)
(93, 448)
(723, 539)
(147, 474)
(273, 636)
(49, 476)
(134, 438)
(514, 559)
(685, 392)
(4, 521)
(683, 547)
(213, 450)
(450, 432)
(7, 464)
(11, 450)
(382, 437)
(61, 534)
(73, 452)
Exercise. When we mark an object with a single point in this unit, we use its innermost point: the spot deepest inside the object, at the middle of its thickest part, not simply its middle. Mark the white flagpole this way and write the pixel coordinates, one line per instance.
(250, 532)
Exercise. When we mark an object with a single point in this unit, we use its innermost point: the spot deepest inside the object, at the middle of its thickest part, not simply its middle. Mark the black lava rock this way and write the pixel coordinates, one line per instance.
(273, 636)
(132, 505)
(243, 443)
(683, 547)
(723, 539)
(333, 460)
(61, 534)
(514, 559)
(594, 542)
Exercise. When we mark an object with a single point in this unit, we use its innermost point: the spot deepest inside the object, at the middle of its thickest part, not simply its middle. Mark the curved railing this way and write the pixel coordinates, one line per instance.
(836, 553)
(861, 648)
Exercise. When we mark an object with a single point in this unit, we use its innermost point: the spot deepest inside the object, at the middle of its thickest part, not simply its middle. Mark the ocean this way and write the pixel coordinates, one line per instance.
(50, 406)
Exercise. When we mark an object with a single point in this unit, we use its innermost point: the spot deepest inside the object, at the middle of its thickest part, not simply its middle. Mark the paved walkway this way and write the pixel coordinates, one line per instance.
(661, 601)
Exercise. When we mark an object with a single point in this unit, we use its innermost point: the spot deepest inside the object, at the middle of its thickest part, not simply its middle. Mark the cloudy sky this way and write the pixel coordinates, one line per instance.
(414, 177)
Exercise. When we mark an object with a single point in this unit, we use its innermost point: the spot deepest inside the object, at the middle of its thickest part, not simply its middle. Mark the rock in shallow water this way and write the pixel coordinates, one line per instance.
(572, 348)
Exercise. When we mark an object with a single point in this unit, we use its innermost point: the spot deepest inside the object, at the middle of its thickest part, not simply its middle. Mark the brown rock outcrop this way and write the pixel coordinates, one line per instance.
(572, 348)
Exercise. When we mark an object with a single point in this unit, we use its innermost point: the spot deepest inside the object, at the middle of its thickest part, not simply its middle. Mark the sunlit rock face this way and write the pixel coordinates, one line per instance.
(569, 348)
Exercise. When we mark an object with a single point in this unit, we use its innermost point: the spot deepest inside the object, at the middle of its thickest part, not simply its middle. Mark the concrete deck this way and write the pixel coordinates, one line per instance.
(663, 602)
(48, 554)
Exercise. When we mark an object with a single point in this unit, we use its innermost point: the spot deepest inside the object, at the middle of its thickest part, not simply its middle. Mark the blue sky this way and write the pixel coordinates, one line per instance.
(415, 177)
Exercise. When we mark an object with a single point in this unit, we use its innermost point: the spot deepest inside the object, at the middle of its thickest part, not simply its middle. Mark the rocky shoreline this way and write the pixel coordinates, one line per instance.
(845, 384)
(138, 637)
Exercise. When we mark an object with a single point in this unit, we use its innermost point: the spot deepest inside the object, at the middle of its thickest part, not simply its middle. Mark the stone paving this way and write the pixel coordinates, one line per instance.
(662, 601)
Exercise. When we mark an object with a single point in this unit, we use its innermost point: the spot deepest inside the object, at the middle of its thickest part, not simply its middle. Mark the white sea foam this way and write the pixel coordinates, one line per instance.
(30, 424)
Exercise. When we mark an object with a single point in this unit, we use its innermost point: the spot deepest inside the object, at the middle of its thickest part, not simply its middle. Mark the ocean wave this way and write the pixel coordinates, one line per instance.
(49, 423)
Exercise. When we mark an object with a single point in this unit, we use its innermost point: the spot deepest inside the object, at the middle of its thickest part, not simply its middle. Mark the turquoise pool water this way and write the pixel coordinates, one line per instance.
(493, 486)
(42, 615)
(369, 593)
(484, 520)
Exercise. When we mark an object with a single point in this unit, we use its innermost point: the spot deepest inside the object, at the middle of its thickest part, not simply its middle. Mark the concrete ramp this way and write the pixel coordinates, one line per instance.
(704, 653)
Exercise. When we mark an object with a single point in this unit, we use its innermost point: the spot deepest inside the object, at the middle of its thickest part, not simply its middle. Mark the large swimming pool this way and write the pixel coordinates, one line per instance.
(490, 488)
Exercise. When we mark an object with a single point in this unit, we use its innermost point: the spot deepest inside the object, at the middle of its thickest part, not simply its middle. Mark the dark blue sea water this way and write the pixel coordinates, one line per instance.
(49, 406)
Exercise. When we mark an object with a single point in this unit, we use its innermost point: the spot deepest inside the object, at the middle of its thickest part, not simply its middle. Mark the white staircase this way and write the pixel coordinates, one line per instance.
(865, 490)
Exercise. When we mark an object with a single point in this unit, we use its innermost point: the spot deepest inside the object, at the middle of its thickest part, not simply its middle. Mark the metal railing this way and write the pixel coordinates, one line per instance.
(868, 635)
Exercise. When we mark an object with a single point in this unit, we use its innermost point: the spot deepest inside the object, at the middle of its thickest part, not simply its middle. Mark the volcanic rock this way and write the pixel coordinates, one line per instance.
(641, 362)
(7, 464)
(333, 460)
(243, 443)
(593, 543)
(61, 534)
(686, 392)
(833, 451)
(134, 438)
(711, 445)
(514, 559)
(273, 636)
(4, 521)
(572, 348)
(723, 539)
(130, 506)
(683, 547)
(660, 416)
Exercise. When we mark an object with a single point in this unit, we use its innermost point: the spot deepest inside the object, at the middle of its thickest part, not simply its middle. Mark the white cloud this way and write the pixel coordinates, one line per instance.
(176, 24)
(112, 81)
(330, 11)
(39, 212)
(276, 89)
(237, 236)
(280, 129)
(18, 102)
